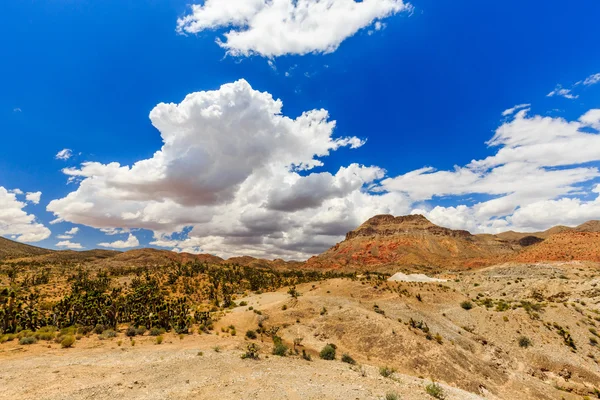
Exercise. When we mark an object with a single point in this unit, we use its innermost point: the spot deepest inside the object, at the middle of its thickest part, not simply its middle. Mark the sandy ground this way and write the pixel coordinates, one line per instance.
(176, 371)
(478, 349)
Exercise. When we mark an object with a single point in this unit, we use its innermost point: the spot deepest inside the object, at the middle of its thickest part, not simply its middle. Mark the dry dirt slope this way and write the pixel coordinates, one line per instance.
(419, 329)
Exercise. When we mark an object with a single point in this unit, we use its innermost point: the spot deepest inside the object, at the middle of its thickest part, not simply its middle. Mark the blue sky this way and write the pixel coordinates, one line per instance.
(426, 88)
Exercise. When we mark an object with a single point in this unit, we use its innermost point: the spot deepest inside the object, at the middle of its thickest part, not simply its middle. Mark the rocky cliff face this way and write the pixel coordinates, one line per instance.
(387, 225)
(388, 243)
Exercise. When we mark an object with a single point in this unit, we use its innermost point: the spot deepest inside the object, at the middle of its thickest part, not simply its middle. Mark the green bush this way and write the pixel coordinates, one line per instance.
(524, 342)
(159, 340)
(67, 341)
(155, 331)
(251, 351)
(84, 330)
(108, 334)
(347, 359)
(467, 305)
(391, 396)
(386, 371)
(251, 334)
(140, 330)
(328, 352)
(280, 350)
(131, 331)
(435, 391)
(98, 329)
(306, 356)
(45, 333)
(27, 340)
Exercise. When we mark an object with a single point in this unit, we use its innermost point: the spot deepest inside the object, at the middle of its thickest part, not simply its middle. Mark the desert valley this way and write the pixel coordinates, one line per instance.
(400, 309)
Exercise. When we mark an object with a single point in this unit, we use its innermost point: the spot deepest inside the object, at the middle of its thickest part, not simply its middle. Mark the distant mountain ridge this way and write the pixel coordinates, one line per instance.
(383, 242)
(12, 249)
(386, 243)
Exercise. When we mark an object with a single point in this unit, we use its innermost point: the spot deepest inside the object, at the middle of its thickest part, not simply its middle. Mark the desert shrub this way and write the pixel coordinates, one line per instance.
(25, 333)
(45, 333)
(438, 338)
(284, 307)
(306, 356)
(67, 341)
(323, 311)
(467, 305)
(435, 391)
(280, 350)
(250, 334)
(156, 331)
(378, 310)
(386, 371)
(131, 331)
(524, 342)
(328, 352)
(391, 396)
(347, 359)
(251, 351)
(98, 329)
(140, 330)
(27, 340)
(243, 303)
(108, 334)
(293, 292)
(593, 341)
(84, 330)
(159, 339)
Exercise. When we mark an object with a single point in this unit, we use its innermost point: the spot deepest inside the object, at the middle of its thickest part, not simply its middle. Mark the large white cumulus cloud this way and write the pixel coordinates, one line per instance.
(235, 176)
(539, 176)
(235, 169)
(278, 27)
(15, 222)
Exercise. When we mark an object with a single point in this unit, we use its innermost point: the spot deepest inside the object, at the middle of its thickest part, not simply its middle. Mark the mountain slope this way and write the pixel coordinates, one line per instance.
(387, 243)
(11, 249)
(564, 246)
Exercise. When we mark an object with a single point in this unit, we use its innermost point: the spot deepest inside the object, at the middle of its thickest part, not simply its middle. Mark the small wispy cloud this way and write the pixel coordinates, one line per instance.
(64, 154)
(592, 79)
(568, 93)
(562, 92)
(17, 109)
(510, 111)
(72, 231)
